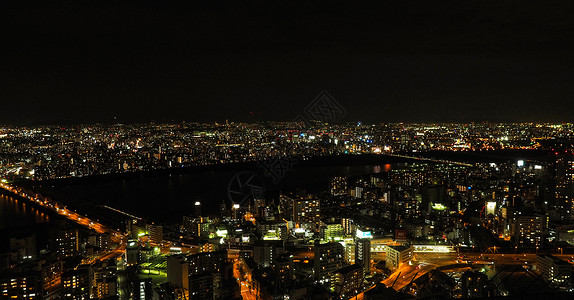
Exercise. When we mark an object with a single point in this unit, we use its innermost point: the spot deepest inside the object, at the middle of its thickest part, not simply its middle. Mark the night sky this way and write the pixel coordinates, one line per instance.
(384, 61)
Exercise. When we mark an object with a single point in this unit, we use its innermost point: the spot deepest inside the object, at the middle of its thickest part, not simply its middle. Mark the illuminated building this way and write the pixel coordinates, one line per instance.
(329, 258)
(76, 284)
(51, 272)
(397, 256)
(307, 212)
(197, 226)
(363, 254)
(105, 287)
(527, 229)
(283, 267)
(564, 185)
(67, 242)
(103, 280)
(155, 233)
(20, 286)
(265, 252)
(339, 186)
(347, 225)
(142, 289)
(132, 253)
(135, 228)
(553, 269)
(206, 262)
(347, 280)
(333, 232)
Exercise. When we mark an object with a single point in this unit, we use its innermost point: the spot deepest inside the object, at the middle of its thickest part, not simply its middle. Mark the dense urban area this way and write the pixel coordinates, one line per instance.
(453, 219)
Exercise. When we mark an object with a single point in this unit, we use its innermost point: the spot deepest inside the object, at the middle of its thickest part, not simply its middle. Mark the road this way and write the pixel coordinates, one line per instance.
(422, 263)
(123, 290)
(116, 237)
(243, 279)
(425, 262)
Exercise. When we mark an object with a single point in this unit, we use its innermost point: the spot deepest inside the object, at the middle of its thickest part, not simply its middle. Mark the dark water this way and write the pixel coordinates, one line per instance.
(15, 213)
(164, 197)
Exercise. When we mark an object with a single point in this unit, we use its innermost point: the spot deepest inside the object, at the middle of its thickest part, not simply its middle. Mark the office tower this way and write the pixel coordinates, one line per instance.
(329, 258)
(363, 254)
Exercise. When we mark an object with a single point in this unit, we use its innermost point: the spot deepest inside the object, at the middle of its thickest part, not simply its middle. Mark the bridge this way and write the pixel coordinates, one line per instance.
(440, 161)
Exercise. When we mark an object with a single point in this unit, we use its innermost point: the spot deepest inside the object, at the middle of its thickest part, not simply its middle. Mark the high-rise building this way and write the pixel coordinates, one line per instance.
(178, 271)
(67, 242)
(363, 254)
(103, 279)
(132, 253)
(51, 272)
(197, 209)
(347, 226)
(306, 212)
(283, 267)
(155, 233)
(265, 252)
(207, 262)
(527, 229)
(203, 286)
(564, 191)
(329, 258)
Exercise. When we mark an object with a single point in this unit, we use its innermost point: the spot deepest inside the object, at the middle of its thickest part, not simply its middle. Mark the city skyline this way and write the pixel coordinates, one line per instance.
(286, 149)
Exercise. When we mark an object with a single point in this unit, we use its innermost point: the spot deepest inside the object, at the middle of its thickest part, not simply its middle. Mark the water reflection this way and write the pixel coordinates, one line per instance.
(17, 213)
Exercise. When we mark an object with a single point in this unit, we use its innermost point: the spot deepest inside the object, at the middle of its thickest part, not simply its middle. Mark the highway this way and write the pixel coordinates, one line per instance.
(116, 237)
(425, 262)
(422, 263)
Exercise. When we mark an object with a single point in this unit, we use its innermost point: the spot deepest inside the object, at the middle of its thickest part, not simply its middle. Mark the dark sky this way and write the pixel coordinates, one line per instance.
(403, 60)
